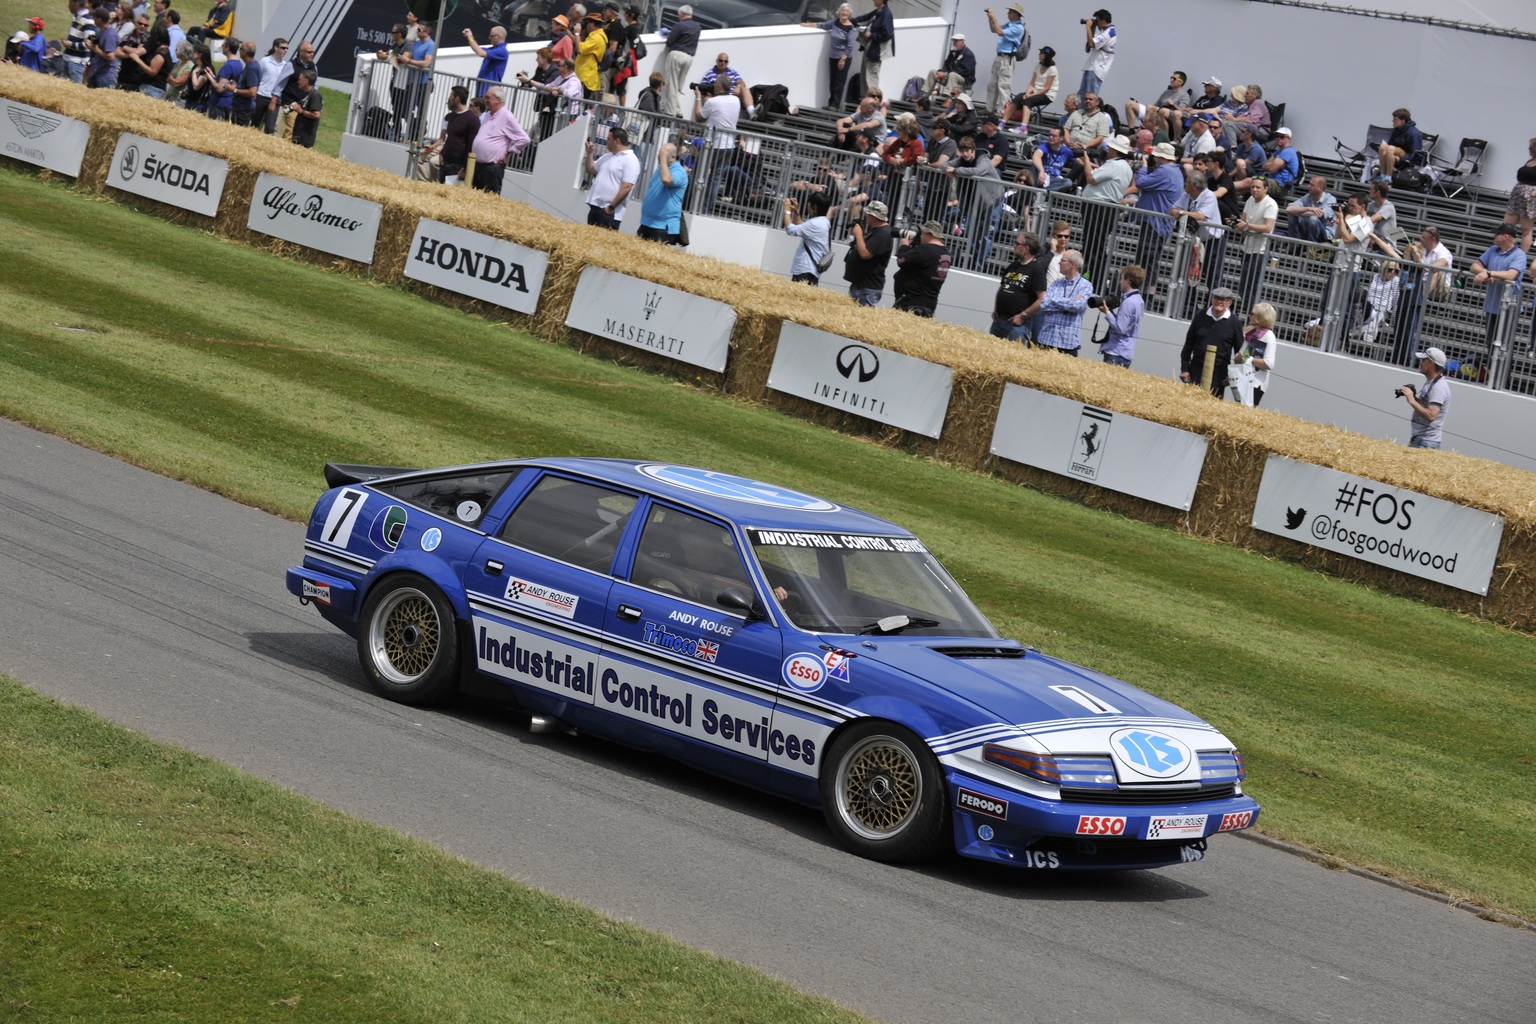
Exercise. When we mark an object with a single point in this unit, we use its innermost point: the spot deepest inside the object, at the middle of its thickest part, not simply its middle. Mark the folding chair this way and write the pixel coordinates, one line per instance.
(1375, 135)
(1452, 180)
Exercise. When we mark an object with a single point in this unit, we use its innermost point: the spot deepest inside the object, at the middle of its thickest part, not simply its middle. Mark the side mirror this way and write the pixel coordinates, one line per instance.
(739, 600)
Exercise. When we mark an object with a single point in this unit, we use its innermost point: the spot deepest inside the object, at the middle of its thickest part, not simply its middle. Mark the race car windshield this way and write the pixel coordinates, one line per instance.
(841, 583)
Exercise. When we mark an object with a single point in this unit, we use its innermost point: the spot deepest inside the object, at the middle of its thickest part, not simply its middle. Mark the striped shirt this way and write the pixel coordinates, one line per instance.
(1059, 324)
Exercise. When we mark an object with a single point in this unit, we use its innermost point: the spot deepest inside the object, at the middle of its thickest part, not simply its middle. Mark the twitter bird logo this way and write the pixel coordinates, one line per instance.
(1293, 517)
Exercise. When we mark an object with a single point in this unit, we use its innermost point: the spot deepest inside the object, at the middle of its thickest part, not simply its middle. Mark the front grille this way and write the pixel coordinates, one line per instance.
(1147, 797)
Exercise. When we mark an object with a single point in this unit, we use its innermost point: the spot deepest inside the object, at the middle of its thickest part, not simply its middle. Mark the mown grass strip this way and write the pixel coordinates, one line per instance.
(1379, 730)
(143, 882)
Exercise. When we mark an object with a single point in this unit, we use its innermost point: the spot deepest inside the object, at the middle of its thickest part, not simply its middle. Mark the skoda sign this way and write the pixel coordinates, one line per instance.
(178, 177)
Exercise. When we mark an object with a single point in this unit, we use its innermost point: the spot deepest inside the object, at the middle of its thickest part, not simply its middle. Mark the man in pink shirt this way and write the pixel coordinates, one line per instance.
(499, 137)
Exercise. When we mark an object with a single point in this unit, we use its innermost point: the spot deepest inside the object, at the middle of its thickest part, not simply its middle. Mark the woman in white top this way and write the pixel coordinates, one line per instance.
(1380, 300)
(1041, 90)
(1257, 351)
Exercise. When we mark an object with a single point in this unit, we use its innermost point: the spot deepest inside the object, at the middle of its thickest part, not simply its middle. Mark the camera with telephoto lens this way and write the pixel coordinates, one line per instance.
(1109, 302)
(1082, 21)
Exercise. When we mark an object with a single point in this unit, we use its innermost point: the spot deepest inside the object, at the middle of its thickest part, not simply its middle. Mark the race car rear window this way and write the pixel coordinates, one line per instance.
(572, 520)
(464, 499)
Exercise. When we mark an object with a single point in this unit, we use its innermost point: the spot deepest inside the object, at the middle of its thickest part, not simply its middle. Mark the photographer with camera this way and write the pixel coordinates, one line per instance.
(1429, 402)
(1100, 47)
(1123, 314)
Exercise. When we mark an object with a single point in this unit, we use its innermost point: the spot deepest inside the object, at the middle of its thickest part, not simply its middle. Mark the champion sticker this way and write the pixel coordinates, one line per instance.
(431, 539)
(320, 593)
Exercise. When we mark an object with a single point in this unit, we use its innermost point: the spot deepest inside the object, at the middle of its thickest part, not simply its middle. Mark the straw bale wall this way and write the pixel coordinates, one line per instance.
(1240, 439)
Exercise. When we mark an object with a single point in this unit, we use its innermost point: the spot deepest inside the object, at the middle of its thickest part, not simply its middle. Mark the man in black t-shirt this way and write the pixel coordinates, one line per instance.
(306, 110)
(924, 264)
(304, 60)
(1021, 284)
(868, 255)
(459, 130)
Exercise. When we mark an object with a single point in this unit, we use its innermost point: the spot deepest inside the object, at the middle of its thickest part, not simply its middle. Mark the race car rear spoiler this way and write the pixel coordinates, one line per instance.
(338, 474)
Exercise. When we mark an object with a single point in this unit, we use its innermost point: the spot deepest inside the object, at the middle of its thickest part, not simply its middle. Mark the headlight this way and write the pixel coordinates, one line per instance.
(1041, 767)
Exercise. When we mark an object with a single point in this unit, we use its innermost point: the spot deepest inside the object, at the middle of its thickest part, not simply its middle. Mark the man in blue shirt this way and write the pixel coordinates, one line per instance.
(1124, 317)
(661, 211)
(1156, 188)
(493, 58)
(1502, 264)
(1283, 166)
(1010, 40)
(1059, 320)
(815, 234)
(34, 50)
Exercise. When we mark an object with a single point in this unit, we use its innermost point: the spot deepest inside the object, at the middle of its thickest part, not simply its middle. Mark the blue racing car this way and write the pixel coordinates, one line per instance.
(783, 641)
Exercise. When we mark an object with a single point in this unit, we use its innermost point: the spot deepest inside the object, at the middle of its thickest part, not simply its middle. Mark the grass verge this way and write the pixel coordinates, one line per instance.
(143, 882)
(1377, 730)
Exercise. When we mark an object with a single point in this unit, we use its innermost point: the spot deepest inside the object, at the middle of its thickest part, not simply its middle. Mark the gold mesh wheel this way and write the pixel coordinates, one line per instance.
(405, 636)
(879, 787)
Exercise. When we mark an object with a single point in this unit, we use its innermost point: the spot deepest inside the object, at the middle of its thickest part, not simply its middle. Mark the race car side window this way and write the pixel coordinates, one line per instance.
(464, 499)
(691, 557)
(571, 520)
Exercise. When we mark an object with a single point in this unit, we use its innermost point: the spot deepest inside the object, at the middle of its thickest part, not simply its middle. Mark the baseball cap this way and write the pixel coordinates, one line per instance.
(958, 35)
(1283, 131)
(965, 98)
(877, 210)
(1434, 355)
(1506, 229)
(1213, 80)
(991, 119)
(36, 23)
(934, 228)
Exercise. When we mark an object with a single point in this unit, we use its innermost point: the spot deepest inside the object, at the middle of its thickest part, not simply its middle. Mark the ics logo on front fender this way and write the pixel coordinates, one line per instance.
(993, 808)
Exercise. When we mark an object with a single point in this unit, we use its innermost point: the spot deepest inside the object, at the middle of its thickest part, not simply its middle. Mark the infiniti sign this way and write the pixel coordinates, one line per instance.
(854, 377)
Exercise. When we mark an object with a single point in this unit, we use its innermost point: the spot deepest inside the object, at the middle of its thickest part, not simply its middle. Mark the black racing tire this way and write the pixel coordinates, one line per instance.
(883, 794)
(408, 641)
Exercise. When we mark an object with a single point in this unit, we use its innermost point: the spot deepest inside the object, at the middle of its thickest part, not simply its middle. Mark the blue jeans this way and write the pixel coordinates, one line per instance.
(1114, 360)
(1092, 83)
(866, 296)
(1310, 229)
(1419, 442)
(152, 91)
(1008, 330)
(75, 70)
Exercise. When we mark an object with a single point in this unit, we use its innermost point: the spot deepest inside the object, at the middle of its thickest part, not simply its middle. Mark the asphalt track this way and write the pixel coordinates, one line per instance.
(162, 607)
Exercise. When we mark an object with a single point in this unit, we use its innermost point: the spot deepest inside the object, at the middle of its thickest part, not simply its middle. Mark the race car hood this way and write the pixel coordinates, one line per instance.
(1062, 706)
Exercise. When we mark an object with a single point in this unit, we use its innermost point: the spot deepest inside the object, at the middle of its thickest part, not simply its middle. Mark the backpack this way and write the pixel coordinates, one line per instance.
(1024, 50)
(639, 48)
(913, 89)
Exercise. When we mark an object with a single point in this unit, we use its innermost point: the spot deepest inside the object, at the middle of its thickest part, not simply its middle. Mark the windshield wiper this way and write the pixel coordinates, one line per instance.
(893, 624)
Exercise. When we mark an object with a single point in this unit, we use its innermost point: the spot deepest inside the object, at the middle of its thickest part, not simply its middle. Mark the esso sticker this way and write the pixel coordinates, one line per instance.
(1230, 822)
(804, 672)
(1097, 825)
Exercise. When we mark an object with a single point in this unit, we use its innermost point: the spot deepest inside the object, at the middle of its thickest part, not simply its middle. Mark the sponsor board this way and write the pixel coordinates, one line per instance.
(542, 598)
(677, 704)
(41, 137)
(980, 803)
(316, 218)
(482, 267)
(1176, 826)
(849, 376)
(654, 317)
(1108, 449)
(177, 177)
(1377, 523)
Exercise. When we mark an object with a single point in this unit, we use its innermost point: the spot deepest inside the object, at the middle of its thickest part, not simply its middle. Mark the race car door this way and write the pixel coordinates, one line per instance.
(683, 657)
(538, 590)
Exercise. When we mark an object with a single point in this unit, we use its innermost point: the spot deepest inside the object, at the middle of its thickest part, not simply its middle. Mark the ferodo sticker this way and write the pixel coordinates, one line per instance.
(804, 672)
(321, 594)
(1176, 826)
(1099, 825)
(1232, 822)
(982, 804)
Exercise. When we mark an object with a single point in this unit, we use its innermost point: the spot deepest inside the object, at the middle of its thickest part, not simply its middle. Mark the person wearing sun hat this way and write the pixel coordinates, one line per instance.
(1010, 39)
(1153, 192)
(1427, 403)
(869, 253)
(1104, 185)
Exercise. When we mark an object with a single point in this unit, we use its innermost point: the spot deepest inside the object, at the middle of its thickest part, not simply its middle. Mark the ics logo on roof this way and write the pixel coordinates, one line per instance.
(737, 488)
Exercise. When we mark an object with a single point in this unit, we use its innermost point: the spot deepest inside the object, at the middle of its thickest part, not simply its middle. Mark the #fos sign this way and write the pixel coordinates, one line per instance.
(314, 217)
(477, 265)
(41, 137)
(1377, 523)
(875, 383)
(175, 176)
(640, 314)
